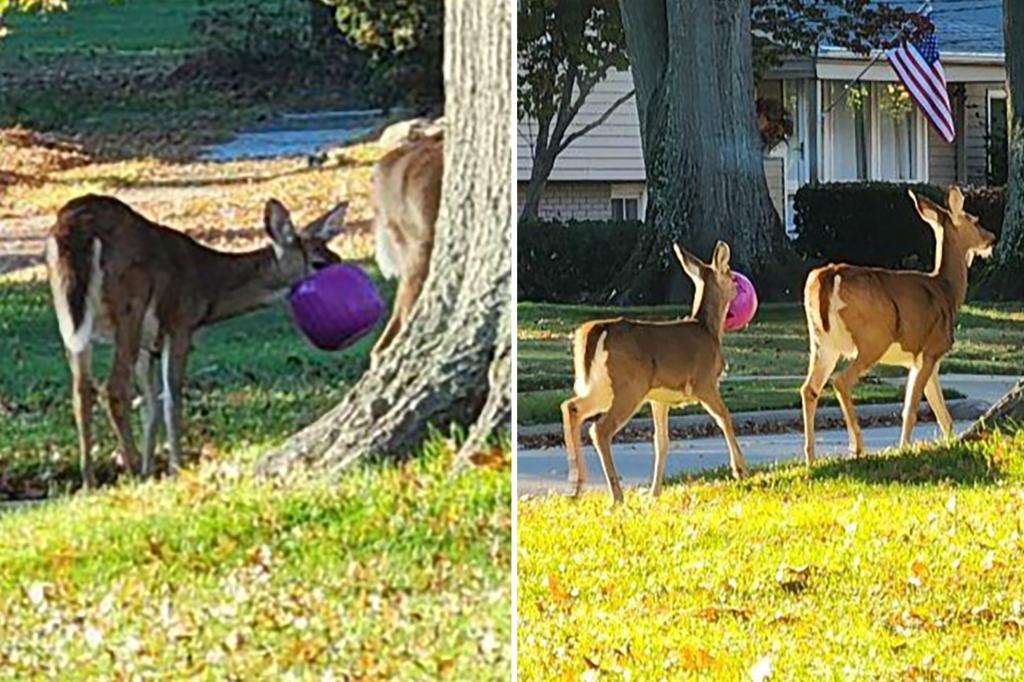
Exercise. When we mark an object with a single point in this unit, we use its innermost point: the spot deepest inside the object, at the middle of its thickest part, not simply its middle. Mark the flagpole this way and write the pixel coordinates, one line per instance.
(874, 60)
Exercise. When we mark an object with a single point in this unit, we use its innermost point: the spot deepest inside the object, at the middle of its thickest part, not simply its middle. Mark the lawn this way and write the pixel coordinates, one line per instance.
(903, 565)
(990, 340)
(395, 572)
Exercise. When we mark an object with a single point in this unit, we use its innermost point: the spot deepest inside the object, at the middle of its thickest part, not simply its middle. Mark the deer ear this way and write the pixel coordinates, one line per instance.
(929, 211)
(330, 224)
(721, 256)
(691, 264)
(955, 200)
(279, 225)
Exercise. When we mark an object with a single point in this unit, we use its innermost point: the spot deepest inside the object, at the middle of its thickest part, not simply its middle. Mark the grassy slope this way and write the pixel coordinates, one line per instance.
(896, 566)
(393, 573)
(990, 339)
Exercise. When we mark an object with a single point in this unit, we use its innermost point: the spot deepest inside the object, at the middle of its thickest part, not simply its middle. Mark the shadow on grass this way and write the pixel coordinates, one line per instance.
(949, 464)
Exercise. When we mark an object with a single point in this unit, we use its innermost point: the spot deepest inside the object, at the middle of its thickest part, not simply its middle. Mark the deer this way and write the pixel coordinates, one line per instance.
(118, 277)
(871, 315)
(407, 194)
(621, 363)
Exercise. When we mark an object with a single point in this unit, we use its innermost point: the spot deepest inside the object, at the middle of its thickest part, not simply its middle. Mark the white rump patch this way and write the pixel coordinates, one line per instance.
(597, 385)
(838, 336)
(387, 259)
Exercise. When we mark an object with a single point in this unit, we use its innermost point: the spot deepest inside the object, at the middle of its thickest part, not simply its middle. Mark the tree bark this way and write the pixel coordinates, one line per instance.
(452, 363)
(1009, 410)
(692, 68)
(1005, 279)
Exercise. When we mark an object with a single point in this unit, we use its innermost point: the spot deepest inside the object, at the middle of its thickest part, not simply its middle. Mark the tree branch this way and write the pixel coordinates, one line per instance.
(569, 139)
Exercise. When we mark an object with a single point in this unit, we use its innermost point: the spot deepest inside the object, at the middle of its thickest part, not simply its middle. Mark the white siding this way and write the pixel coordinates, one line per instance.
(612, 152)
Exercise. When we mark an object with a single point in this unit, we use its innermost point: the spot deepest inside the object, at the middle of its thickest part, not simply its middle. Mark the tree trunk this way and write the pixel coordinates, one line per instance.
(1008, 410)
(452, 362)
(691, 64)
(323, 29)
(543, 163)
(1005, 280)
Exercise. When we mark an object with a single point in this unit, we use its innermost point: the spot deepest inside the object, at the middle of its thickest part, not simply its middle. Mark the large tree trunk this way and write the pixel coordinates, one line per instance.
(691, 64)
(452, 362)
(1006, 278)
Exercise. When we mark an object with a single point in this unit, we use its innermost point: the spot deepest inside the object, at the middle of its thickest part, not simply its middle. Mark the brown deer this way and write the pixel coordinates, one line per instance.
(407, 192)
(894, 317)
(119, 277)
(620, 364)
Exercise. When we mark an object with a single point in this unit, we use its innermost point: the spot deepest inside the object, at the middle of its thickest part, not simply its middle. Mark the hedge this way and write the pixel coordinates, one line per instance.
(571, 262)
(875, 223)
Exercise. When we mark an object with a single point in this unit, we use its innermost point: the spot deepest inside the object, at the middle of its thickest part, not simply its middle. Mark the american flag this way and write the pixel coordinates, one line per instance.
(917, 64)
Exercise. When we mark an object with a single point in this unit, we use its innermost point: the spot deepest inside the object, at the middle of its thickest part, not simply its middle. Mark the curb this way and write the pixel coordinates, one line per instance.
(748, 422)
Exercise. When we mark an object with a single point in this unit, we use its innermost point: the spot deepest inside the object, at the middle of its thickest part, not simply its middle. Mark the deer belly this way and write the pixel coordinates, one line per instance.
(896, 355)
(670, 396)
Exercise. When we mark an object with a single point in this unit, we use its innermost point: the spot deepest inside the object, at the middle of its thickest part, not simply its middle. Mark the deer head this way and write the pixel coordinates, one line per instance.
(714, 287)
(956, 231)
(299, 252)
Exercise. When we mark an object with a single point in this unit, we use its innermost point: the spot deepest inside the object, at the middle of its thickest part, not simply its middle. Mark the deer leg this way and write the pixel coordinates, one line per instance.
(414, 274)
(715, 406)
(919, 376)
(173, 358)
(933, 392)
(575, 411)
(149, 385)
(602, 432)
(659, 413)
(82, 394)
(821, 366)
(126, 350)
(844, 383)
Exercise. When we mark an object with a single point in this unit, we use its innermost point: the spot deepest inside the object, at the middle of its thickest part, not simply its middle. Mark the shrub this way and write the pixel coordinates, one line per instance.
(875, 223)
(571, 262)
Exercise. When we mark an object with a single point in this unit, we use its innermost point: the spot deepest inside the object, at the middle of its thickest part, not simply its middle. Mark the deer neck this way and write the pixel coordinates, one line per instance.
(243, 283)
(709, 308)
(951, 269)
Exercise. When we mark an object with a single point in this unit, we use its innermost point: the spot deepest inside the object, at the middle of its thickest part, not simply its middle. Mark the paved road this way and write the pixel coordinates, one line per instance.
(546, 469)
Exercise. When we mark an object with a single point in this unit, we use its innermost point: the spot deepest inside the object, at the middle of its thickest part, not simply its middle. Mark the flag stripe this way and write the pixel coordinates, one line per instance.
(935, 111)
(938, 83)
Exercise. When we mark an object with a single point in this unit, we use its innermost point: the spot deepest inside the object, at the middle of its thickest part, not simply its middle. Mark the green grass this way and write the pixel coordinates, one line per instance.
(895, 566)
(395, 572)
(989, 340)
(148, 27)
(251, 382)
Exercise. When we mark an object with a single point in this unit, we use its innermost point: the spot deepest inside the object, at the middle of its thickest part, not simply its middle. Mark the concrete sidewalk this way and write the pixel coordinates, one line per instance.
(545, 470)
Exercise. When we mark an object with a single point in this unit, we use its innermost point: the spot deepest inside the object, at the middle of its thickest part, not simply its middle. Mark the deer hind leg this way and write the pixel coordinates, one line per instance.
(933, 392)
(118, 390)
(822, 364)
(83, 396)
(624, 405)
(919, 376)
(659, 414)
(149, 385)
(712, 401)
(575, 411)
(173, 359)
(414, 273)
(844, 383)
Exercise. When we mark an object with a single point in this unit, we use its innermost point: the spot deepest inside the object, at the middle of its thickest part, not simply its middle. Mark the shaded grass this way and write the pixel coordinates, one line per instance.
(251, 382)
(393, 572)
(902, 565)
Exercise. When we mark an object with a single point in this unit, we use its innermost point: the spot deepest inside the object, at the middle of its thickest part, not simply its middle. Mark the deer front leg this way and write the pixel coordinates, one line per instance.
(659, 413)
(149, 385)
(83, 394)
(933, 392)
(919, 376)
(173, 358)
(821, 365)
(715, 406)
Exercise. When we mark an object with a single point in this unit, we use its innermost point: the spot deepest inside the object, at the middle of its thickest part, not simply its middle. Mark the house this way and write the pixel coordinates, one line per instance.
(874, 136)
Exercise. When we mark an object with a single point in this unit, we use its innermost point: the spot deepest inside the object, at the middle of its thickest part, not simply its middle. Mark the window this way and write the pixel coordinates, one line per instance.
(997, 142)
(625, 209)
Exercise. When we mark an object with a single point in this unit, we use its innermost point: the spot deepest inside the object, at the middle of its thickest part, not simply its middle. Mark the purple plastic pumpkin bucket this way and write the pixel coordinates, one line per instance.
(336, 306)
(742, 308)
